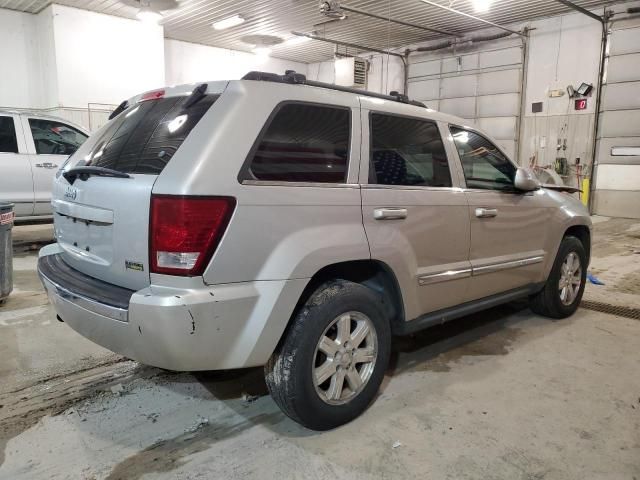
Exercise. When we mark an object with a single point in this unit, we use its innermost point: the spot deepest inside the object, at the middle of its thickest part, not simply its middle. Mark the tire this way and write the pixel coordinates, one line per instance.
(291, 372)
(549, 301)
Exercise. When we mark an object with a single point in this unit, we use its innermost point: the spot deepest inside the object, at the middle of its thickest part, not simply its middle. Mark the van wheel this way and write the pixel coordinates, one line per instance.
(563, 291)
(329, 365)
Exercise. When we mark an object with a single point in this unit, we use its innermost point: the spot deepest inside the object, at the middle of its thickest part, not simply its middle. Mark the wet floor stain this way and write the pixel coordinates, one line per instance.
(437, 349)
(167, 455)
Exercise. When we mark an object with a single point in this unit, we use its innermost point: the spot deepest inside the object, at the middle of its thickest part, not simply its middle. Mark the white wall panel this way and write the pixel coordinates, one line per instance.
(425, 89)
(503, 128)
(621, 96)
(507, 104)
(497, 58)
(463, 86)
(623, 68)
(459, 64)
(606, 144)
(625, 41)
(461, 107)
(424, 68)
(505, 81)
(618, 177)
(620, 123)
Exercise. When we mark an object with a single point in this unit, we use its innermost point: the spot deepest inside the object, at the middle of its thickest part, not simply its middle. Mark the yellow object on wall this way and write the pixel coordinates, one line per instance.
(584, 195)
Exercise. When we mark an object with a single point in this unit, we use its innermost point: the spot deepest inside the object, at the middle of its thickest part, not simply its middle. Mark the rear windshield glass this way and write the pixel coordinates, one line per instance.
(143, 138)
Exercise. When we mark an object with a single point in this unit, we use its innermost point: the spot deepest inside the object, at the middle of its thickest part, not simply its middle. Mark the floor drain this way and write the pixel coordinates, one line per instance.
(627, 312)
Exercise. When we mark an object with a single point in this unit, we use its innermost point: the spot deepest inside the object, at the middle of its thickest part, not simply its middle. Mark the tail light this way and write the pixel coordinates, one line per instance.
(185, 231)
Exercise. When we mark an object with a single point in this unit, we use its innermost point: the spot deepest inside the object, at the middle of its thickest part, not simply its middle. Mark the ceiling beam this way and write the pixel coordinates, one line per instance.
(478, 19)
(347, 8)
(347, 44)
(584, 11)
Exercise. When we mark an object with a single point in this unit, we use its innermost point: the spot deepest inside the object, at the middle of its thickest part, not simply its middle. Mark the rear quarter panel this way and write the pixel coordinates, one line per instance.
(278, 231)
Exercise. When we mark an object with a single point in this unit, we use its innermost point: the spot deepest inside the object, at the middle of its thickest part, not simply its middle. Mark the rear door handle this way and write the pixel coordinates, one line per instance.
(486, 212)
(390, 213)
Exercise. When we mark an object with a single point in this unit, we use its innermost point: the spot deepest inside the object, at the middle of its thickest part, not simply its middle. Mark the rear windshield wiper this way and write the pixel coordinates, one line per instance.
(85, 172)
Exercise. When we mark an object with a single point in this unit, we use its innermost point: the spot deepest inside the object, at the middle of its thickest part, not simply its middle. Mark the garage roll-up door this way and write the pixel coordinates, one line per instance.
(482, 85)
(617, 174)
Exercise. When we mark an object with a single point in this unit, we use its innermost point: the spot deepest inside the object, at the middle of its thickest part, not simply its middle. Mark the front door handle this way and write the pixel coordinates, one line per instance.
(390, 213)
(46, 165)
(486, 212)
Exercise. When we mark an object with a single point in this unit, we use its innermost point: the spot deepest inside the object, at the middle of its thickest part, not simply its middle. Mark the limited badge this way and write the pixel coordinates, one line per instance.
(134, 265)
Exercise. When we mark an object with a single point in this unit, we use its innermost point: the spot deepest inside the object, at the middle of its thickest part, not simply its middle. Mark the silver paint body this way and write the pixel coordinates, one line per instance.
(26, 177)
(282, 234)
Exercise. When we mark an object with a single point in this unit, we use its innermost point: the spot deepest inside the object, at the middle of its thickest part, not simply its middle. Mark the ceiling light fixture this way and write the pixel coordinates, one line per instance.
(481, 6)
(146, 15)
(228, 22)
(262, 52)
(296, 40)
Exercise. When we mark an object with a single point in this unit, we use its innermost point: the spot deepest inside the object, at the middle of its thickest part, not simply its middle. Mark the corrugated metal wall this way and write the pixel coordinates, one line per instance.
(617, 178)
(482, 84)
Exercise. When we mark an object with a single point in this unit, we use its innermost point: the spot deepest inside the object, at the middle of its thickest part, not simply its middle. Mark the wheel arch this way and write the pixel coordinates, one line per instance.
(582, 233)
(374, 274)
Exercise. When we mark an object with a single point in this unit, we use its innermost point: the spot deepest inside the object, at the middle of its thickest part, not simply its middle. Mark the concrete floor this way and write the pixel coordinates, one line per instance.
(500, 395)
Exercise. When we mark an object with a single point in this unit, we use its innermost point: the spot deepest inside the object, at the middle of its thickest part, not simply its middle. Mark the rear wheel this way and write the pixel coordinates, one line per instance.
(331, 361)
(563, 290)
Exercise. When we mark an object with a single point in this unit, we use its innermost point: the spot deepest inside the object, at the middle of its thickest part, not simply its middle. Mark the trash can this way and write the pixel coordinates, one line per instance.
(6, 250)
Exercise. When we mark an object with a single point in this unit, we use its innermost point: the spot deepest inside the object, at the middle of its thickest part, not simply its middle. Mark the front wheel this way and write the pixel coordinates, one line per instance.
(331, 361)
(563, 290)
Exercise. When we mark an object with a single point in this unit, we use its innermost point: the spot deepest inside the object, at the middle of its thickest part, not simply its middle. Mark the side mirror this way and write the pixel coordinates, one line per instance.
(526, 180)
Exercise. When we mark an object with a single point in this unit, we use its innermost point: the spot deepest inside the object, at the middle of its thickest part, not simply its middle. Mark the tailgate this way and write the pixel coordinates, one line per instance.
(102, 224)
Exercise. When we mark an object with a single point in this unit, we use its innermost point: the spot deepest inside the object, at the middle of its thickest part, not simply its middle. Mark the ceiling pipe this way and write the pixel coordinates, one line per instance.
(584, 11)
(347, 44)
(462, 41)
(473, 17)
(347, 8)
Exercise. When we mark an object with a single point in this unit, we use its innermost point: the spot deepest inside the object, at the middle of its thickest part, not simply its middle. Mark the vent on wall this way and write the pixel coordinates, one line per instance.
(351, 72)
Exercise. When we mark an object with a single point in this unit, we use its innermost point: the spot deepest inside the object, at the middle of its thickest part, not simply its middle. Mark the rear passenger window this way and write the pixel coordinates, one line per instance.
(407, 151)
(303, 143)
(8, 140)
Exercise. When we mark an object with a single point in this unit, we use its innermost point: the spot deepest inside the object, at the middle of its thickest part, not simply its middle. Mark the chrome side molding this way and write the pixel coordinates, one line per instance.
(444, 276)
(447, 275)
(496, 267)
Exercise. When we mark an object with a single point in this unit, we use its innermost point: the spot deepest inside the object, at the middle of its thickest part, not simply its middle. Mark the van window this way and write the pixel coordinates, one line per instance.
(55, 138)
(407, 151)
(144, 137)
(484, 166)
(8, 140)
(303, 143)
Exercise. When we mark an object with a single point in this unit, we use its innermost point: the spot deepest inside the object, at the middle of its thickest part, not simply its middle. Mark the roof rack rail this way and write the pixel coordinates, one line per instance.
(294, 78)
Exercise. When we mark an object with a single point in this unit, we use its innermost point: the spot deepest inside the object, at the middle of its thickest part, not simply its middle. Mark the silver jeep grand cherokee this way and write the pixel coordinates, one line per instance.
(287, 223)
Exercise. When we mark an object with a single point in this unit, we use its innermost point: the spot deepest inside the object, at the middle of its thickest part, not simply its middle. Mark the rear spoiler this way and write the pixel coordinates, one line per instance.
(561, 188)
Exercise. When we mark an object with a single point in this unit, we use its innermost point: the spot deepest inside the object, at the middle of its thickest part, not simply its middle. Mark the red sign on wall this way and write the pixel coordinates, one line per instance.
(581, 104)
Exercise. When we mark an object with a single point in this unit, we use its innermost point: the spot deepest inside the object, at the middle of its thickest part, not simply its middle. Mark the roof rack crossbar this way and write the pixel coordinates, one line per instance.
(294, 78)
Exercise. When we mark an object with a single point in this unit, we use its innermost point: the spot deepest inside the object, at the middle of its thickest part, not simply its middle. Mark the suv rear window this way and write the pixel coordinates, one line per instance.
(302, 143)
(143, 138)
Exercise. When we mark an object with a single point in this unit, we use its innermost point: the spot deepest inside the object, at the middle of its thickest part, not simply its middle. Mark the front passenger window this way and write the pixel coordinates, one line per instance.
(484, 166)
(55, 138)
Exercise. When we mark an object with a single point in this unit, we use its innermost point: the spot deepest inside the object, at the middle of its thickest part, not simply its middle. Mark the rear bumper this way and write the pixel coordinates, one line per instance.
(209, 328)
